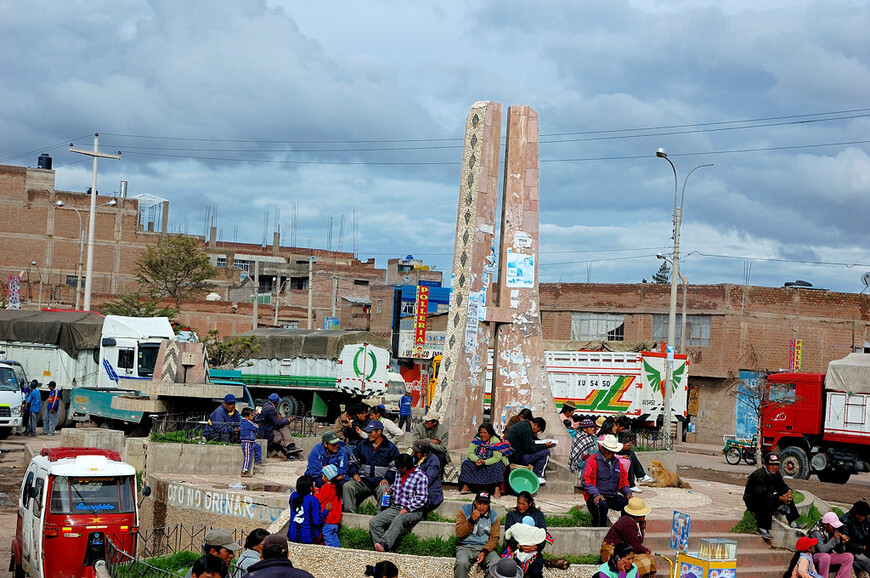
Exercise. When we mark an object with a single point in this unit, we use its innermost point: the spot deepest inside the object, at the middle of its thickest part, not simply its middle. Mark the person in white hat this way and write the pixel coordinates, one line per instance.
(605, 481)
(831, 547)
(631, 529)
(437, 434)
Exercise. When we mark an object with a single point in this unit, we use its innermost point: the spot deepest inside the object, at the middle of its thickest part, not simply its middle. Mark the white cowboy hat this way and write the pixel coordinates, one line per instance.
(610, 443)
(526, 535)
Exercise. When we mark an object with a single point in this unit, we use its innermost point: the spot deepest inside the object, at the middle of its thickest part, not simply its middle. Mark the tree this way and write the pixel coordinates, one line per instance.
(135, 305)
(231, 352)
(175, 267)
(663, 275)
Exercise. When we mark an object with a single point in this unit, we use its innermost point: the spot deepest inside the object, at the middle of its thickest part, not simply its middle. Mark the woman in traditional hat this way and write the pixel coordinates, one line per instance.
(801, 565)
(630, 529)
(527, 513)
(484, 467)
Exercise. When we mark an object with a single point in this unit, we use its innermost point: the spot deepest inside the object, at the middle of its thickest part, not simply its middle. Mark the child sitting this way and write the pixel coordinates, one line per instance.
(328, 494)
(250, 448)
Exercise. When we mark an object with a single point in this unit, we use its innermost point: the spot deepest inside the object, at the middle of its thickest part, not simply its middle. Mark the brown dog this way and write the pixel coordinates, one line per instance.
(664, 478)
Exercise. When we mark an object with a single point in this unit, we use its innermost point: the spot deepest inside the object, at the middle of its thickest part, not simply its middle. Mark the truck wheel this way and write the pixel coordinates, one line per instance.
(834, 476)
(4, 432)
(61, 415)
(286, 406)
(795, 463)
(732, 456)
(298, 406)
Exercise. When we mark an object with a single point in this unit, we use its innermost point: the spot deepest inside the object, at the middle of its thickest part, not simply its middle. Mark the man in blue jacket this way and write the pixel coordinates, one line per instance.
(330, 451)
(223, 423)
(372, 468)
(430, 465)
(405, 411)
(273, 427)
(33, 401)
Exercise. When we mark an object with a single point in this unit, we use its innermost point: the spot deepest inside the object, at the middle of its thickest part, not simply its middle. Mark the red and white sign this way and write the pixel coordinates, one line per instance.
(422, 306)
(794, 357)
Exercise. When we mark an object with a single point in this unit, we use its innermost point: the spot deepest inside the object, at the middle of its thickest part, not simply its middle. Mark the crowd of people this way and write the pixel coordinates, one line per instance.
(32, 407)
(359, 459)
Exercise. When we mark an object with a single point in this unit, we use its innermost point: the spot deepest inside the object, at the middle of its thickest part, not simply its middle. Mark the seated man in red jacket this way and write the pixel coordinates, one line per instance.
(605, 482)
(630, 529)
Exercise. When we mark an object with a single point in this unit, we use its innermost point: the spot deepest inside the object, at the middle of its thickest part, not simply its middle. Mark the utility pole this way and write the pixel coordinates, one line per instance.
(310, 284)
(256, 287)
(89, 272)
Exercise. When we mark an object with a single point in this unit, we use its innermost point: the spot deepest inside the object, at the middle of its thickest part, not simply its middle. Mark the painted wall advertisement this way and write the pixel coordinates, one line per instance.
(794, 355)
(421, 309)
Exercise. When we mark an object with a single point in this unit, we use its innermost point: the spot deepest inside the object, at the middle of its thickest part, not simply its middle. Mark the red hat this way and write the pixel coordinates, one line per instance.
(804, 543)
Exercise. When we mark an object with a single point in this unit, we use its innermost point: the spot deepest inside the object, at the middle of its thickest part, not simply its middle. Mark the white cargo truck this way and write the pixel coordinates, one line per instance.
(82, 349)
(315, 370)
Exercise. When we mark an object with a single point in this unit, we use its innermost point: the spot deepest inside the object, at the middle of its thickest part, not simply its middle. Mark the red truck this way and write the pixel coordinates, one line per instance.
(819, 423)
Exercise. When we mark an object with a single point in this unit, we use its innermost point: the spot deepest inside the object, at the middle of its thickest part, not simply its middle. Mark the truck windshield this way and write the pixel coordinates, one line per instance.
(87, 495)
(781, 393)
(8, 380)
(147, 358)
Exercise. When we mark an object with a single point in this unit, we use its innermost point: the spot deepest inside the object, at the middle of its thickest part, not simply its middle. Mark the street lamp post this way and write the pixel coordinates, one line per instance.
(89, 273)
(675, 273)
(684, 282)
(39, 303)
(62, 205)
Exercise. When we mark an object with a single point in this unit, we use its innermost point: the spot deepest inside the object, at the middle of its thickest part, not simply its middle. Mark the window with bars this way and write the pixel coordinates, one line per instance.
(597, 326)
(697, 329)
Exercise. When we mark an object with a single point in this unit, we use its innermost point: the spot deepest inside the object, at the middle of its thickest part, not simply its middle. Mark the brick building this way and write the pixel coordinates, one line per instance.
(36, 230)
(730, 328)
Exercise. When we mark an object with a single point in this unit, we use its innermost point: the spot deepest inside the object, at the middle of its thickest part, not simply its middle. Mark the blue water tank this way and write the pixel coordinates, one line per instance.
(44, 162)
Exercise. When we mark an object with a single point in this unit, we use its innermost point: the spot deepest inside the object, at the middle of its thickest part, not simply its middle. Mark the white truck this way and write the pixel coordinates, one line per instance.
(107, 361)
(607, 382)
(12, 377)
(314, 370)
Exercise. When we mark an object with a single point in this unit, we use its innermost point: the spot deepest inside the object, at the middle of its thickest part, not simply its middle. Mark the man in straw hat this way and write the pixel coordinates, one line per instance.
(630, 529)
(438, 436)
(605, 482)
(765, 493)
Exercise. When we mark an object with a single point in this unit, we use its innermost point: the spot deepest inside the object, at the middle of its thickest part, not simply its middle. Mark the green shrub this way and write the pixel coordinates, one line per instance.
(575, 518)
(797, 497)
(368, 508)
(811, 517)
(360, 539)
(177, 563)
(747, 525)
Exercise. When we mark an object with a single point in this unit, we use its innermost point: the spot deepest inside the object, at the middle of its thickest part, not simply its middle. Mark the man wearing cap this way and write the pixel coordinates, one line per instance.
(431, 466)
(273, 427)
(223, 423)
(831, 546)
(370, 467)
(605, 482)
(477, 534)
(528, 451)
(438, 436)
(765, 493)
(275, 563)
(631, 529)
(584, 445)
(391, 431)
(218, 543)
(329, 451)
(408, 495)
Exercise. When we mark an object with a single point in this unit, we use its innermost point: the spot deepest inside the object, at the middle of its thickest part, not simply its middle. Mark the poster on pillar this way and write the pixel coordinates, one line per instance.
(520, 270)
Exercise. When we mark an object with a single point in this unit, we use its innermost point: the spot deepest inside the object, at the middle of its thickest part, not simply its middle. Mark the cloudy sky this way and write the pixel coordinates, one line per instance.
(248, 107)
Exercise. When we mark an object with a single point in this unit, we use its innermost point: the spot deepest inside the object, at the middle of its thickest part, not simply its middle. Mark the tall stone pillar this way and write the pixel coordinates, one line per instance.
(519, 369)
(459, 394)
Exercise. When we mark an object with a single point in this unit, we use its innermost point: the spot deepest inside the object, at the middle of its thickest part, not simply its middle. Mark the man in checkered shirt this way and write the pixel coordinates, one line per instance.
(408, 496)
(585, 444)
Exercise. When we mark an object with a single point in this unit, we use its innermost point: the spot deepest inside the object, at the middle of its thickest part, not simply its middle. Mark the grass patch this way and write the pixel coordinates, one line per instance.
(576, 559)
(747, 525)
(797, 497)
(360, 539)
(436, 517)
(177, 563)
(575, 518)
(838, 511)
(811, 517)
(368, 508)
